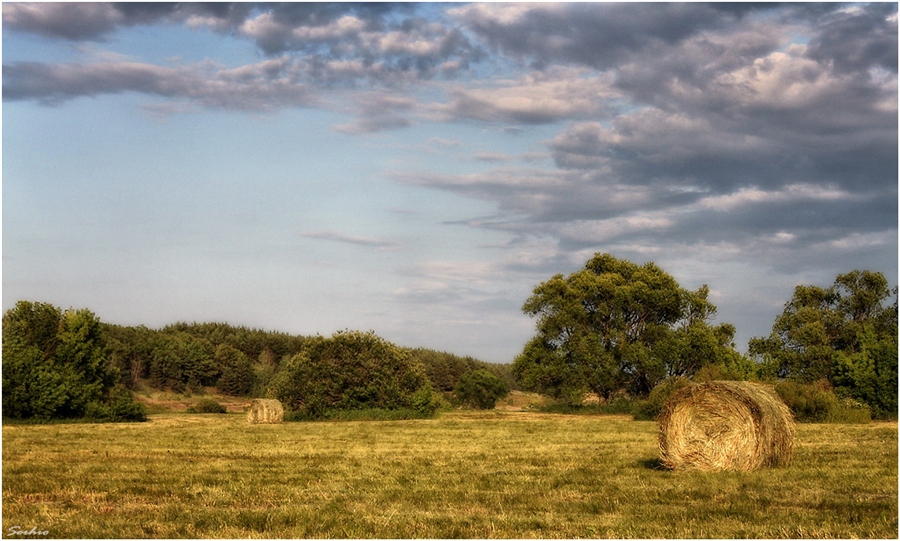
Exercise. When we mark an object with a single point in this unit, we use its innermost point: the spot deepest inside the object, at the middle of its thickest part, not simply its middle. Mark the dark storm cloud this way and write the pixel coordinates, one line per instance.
(839, 40)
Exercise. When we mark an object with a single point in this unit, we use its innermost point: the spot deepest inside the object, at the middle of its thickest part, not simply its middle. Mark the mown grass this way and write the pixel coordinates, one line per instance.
(472, 475)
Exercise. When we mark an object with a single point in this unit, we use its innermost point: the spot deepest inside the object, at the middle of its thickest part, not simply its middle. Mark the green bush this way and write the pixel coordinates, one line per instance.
(237, 374)
(817, 403)
(352, 371)
(207, 405)
(480, 389)
(120, 407)
(648, 410)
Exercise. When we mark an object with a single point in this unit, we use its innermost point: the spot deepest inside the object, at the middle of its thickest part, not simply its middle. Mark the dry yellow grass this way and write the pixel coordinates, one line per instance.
(467, 474)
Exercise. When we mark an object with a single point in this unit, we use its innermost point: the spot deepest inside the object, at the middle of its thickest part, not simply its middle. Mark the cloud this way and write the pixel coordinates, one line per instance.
(78, 21)
(378, 111)
(372, 242)
(680, 124)
(339, 43)
(268, 85)
(537, 98)
(596, 35)
(838, 40)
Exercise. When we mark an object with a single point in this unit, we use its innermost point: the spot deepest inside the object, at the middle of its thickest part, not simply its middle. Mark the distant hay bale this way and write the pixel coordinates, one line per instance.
(265, 411)
(725, 425)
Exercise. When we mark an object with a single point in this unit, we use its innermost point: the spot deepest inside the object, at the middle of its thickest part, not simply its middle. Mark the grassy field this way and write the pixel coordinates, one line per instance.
(475, 475)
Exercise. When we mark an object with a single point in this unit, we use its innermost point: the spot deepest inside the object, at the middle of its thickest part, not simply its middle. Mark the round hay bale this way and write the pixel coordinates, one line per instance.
(725, 425)
(265, 411)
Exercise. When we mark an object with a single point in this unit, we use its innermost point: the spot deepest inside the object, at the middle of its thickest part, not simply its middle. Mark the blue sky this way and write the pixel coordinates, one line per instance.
(417, 169)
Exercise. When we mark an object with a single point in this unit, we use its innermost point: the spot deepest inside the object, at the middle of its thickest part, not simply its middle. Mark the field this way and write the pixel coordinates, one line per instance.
(475, 475)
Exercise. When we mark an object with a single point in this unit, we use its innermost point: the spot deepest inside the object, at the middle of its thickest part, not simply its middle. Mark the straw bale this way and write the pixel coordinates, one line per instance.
(725, 425)
(265, 411)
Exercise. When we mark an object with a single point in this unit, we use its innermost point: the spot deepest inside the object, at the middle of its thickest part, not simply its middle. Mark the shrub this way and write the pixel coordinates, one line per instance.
(817, 403)
(616, 406)
(480, 389)
(207, 405)
(649, 409)
(119, 408)
(350, 371)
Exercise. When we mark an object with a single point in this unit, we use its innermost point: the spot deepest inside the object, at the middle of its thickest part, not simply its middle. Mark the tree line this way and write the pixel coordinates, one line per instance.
(43, 379)
(619, 330)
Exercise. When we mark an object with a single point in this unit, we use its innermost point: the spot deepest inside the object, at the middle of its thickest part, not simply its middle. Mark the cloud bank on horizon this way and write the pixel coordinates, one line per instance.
(417, 169)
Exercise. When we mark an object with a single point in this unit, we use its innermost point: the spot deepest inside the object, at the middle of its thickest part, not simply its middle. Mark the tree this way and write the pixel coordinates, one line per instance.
(845, 334)
(129, 350)
(237, 377)
(350, 371)
(480, 389)
(54, 366)
(181, 360)
(614, 326)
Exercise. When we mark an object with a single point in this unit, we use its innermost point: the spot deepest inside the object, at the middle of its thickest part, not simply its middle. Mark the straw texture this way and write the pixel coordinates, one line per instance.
(265, 411)
(725, 425)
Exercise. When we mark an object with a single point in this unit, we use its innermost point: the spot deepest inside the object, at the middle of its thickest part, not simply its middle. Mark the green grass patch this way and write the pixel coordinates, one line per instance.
(465, 474)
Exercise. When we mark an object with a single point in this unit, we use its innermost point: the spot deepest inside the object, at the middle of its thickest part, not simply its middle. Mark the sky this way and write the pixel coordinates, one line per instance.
(417, 169)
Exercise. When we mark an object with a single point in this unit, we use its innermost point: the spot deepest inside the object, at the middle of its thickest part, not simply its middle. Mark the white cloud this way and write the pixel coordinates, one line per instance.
(793, 193)
(539, 97)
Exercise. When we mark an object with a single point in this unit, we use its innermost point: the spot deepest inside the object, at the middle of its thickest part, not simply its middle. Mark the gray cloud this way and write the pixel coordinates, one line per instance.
(379, 111)
(597, 35)
(268, 85)
(339, 42)
(357, 240)
(838, 40)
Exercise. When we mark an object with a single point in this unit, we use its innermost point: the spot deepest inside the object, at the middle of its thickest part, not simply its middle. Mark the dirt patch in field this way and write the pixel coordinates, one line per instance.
(521, 401)
(161, 401)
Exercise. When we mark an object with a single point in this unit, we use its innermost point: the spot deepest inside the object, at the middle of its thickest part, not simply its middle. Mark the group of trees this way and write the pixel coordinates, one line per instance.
(190, 356)
(845, 335)
(54, 366)
(615, 328)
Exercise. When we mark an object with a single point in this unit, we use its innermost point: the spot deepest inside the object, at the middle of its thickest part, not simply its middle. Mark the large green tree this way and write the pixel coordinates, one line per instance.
(615, 325)
(845, 333)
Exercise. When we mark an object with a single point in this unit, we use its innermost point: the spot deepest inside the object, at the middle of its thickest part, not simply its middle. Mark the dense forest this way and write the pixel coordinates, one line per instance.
(627, 334)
